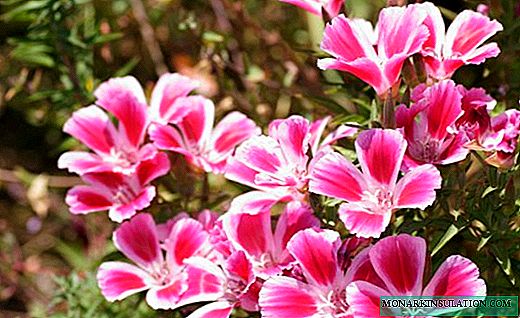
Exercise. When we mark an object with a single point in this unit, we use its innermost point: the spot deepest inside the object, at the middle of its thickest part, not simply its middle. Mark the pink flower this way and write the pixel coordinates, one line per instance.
(278, 163)
(395, 266)
(429, 125)
(115, 149)
(476, 106)
(445, 51)
(170, 281)
(195, 138)
(374, 194)
(376, 59)
(249, 230)
(332, 7)
(320, 291)
(123, 195)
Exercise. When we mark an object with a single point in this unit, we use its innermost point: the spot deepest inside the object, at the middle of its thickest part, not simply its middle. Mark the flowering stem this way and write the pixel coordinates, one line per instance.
(388, 115)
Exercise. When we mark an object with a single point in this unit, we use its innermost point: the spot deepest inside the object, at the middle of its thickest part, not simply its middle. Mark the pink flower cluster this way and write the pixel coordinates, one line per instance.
(287, 265)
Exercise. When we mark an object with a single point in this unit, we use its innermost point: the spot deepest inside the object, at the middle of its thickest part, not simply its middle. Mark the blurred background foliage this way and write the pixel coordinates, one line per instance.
(256, 56)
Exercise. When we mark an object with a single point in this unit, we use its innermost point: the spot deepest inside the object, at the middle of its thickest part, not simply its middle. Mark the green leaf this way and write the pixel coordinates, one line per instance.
(450, 233)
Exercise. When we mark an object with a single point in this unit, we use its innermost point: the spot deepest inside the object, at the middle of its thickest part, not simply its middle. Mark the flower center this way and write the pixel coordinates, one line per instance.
(337, 301)
(124, 194)
(379, 201)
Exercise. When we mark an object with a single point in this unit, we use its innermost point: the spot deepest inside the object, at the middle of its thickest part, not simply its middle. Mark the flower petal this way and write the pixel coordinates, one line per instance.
(286, 297)
(85, 199)
(138, 240)
(333, 175)
(219, 309)
(91, 126)
(363, 299)
(457, 276)
(118, 280)
(82, 162)
(297, 216)
(166, 137)
(151, 169)
(362, 222)
(167, 297)
(399, 261)
(445, 106)
(375, 146)
(197, 124)
(417, 188)
(293, 136)
(316, 252)
(187, 238)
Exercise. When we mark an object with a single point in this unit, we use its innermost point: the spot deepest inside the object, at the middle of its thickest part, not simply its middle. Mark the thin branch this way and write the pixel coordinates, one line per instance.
(53, 181)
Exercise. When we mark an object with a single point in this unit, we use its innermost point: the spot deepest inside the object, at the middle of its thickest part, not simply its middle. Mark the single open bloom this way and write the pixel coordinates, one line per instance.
(332, 7)
(319, 290)
(376, 59)
(395, 266)
(195, 138)
(123, 195)
(445, 51)
(170, 282)
(374, 194)
(120, 149)
(249, 230)
(429, 125)
(279, 163)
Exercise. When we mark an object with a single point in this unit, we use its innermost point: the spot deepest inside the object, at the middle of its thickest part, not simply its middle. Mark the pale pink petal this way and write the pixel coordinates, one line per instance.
(313, 7)
(81, 162)
(435, 24)
(363, 299)
(417, 188)
(358, 220)
(316, 252)
(168, 296)
(401, 31)
(250, 231)
(287, 297)
(124, 98)
(240, 172)
(167, 138)
(253, 202)
(333, 175)
(482, 53)
(399, 261)
(457, 276)
(208, 219)
(206, 281)
(261, 153)
(187, 237)
(297, 216)
(293, 136)
(375, 146)
(91, 126)
(151, 169)
(219, 309)
(231, 131)
(118, 280)
(196, 125)
(316, 130)
(341, 132)
(467, 32)
(168, 89)
(454, 149)
(120, 212)
(85, 199)
(138, 240)
(333, 7)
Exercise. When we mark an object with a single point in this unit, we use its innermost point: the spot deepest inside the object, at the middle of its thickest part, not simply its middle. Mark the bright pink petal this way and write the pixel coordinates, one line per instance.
(333, 175)
(363, 299)
(297, 216)
(250, 231)
(262, 154)
(313, 7)
(81, 162)
(118, 280)
(253, 202)
(239, 266)
(417, 188)
(457, 276)
(341, 132)
(375, 146)
(437, 29)
(467, 32)
(120, 212)
(168, 89)
(231, 131)
(124, 98)
(293, 136)
(444, 100)
(358, 220)
(166, 137)
(240, 172)
(187, 238)
(361, 269)
(196, 126)
(219, 309)
(399, 261)
(169, 296)
(316, 252)
(206, 281)
(151, 169)
(85, 199)
(333, 7)
(91, 126)
(138, 240)
(316, 130)
(287, 297)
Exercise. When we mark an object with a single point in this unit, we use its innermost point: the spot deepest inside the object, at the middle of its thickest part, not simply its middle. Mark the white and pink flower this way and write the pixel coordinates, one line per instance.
(331, 7)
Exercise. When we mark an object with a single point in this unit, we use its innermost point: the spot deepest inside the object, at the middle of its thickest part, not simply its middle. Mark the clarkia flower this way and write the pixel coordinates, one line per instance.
(195, 138)
(429, 125)
(122, 195)
(279, 163)
(331, 7)
(395, 266)
(375, 58)
(446, 51)
(374, 194)
(169, 280)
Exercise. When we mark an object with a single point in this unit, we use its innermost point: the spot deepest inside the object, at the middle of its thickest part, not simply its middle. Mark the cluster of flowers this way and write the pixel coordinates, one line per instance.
(294, 269)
